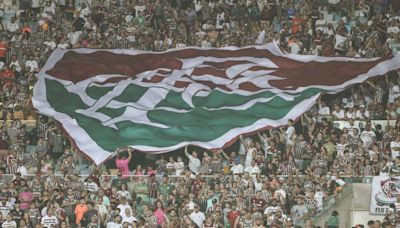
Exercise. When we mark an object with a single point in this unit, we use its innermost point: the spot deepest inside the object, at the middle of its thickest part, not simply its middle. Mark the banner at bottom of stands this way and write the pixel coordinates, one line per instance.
(384, 193)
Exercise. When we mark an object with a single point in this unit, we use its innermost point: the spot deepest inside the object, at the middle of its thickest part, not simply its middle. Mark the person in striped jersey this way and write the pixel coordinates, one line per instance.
(319, 165)
(41, 126)
(298, 151)
(9, 222)
(286, 168)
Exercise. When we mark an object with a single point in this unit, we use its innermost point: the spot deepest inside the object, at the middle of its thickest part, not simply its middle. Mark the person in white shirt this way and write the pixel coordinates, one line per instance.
(362, 114)
(237, 168)
(50, 44)
(208, 26)
(32, 64)
(295, 46)
(9, 222)
(394, 92)
(128, 216)
(253, 170)
(194, 161)
(272, 208)
(22, 169)
(63, 44)
(338, 113)
(367, 136)
(90, 185)
(197, 216)
(323, 110)
(395, 147)
(123, 207)
(170, 166)
(289, 132)
(74, 36)
(242, 148)
(49, 220)
(220, 22)
(12, 26)
(350, 114)
(321, 23)
(85, 12)
(15, 63)
(319, 197)
(179, 166)
(351, 128)
(116, 223)
(341, 146)
(140, 7)
(206, 43)
(250, 151)
(5, 207)
(124, 192)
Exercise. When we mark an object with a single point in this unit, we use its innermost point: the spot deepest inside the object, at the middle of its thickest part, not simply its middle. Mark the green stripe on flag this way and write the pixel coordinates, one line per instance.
(217, 99)
(96, 92)
(173, 99)
(132, 93)
(198, 124)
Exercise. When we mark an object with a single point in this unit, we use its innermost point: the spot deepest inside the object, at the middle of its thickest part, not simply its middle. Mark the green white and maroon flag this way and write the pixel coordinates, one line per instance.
(158, 102)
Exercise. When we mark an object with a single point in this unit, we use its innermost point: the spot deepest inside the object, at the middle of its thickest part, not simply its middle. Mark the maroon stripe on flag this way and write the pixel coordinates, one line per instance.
(184, 84)
(112, 80)
(164, 71)
(323, 74)
(249, 86)
(181, 84)
(213, 85)
(209, 70)
(226, 64)
(76, 67)
(154, 79)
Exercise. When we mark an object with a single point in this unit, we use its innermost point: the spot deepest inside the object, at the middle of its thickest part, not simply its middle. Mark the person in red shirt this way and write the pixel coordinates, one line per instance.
(3, 49)
(233, 215)
(196, 185)
(26, 32)
(7, 76)
(257, 200)
(296, 24)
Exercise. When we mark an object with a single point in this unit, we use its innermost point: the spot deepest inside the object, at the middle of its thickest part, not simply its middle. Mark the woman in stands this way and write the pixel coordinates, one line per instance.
(122, 161)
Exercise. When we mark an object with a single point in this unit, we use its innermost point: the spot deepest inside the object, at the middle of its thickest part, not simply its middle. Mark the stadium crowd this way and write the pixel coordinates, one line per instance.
(277, 178)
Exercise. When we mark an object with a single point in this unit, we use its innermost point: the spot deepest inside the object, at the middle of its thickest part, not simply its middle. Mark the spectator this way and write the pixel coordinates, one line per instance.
(194, 162)
(333, 221)
(122, 161)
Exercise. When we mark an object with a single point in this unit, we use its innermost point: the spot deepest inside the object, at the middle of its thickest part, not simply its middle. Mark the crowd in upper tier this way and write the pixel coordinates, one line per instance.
(277, 178)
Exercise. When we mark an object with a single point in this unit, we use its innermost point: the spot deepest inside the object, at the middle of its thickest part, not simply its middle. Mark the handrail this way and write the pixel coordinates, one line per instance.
(331, 201)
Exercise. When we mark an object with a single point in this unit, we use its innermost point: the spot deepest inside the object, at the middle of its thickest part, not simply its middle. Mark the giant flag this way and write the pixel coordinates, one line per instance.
(158, 102)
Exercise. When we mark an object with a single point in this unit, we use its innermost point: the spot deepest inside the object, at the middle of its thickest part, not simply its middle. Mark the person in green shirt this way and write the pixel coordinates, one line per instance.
(165, 188)
(138, 207)
(140, 188)
(330, 150)
(333, 221)
(140, 19)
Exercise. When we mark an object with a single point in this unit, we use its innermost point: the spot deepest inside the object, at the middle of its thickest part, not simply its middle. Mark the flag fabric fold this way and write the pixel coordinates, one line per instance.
(161, 101)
